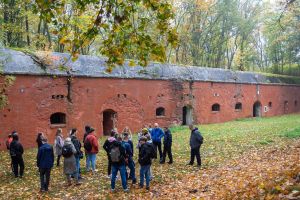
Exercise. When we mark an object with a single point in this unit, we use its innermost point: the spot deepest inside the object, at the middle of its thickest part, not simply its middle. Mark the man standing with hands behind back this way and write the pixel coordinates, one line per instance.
(196, 140)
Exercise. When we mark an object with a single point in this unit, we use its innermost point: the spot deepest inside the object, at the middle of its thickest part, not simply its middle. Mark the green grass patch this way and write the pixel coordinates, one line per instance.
(295, 133)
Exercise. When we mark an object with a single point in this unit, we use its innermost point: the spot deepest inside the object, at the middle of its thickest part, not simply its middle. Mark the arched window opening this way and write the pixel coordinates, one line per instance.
(215, 107)
(160, 111)
(58, 118)
(238, 106)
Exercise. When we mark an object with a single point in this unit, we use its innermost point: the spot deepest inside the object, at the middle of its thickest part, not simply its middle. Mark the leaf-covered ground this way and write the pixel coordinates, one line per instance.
(244, 159)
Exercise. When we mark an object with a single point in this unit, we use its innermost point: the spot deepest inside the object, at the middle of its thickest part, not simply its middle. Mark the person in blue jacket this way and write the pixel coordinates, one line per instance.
(156, 135)
(45, 160)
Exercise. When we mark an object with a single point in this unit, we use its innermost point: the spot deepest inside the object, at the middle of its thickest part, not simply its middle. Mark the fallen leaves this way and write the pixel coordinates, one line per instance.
(236, 165)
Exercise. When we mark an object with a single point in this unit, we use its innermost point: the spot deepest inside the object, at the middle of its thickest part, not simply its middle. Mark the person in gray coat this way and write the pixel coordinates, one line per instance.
(69, 151)
(196, 141)
(58, 144)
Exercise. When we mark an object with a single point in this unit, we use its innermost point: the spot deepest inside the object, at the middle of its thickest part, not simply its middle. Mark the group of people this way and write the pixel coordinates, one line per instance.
(119, 149)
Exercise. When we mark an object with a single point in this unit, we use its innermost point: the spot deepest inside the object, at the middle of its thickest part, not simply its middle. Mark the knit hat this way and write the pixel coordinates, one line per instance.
(144, 130)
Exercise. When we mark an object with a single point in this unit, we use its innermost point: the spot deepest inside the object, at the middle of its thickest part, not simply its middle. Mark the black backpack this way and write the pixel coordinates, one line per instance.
(67, 151)
(87, 145)
(201, 139)
(115, 154)
(150, 151)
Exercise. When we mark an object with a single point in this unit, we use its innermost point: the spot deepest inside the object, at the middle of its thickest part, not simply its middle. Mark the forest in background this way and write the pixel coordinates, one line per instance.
(246, 35)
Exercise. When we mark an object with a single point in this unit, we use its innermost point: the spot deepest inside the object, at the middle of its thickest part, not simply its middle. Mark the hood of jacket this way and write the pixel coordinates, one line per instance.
(68, 142)
(111, 139)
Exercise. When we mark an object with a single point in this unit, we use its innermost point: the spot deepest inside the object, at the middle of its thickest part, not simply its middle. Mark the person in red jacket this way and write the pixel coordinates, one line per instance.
(91, 148)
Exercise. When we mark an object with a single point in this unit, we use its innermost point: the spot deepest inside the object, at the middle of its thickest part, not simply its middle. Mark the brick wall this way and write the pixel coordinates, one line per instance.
(32, 100)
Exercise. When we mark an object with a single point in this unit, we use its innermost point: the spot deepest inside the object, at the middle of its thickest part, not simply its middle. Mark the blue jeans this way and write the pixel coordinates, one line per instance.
(91, 158)
(145, 172)
(78, 165)
(131, 166)
(114, 172)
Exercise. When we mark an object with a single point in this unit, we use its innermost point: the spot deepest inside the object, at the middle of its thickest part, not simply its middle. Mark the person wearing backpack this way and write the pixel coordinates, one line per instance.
(128, 145)
(91, 149)
(146, 153)
(16, 152)
(167, 146)
(45, 160)
(156, 135)
(118, 156)
(59, 143)
(196, 141)
(68, 152)
(77, 145)
(107, 146)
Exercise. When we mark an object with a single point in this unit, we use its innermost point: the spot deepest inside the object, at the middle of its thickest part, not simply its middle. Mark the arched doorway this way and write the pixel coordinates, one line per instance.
(187, 115)
(109, 121)
(257, 109)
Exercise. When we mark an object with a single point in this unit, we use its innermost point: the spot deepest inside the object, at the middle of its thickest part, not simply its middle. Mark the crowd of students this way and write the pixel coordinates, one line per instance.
(119, 149)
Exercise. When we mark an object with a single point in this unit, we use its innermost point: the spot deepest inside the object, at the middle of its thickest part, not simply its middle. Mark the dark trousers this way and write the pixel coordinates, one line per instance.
(167, 150)
(45, 178)
(157, 145)
(17, 162)
(108, 166)
(58, 160)
(195, 152)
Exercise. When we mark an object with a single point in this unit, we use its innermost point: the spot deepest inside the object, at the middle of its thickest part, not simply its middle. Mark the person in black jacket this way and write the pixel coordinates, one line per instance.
(45, 160)
(79, 153)
(196, 140)
(146, 153)
(39, 139)
(167, 146)
(16, 151)
(107, 146)
(118, 157)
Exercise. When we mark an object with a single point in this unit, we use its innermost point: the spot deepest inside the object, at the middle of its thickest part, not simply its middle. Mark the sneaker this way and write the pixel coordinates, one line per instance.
(108, 176)
(134, 181)
(78, 183)
(170, 162)
(148, 188)
(189, 164)
(112, 190)
(141, 186)
(162, 162)
(126, 190)
(42, 190)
